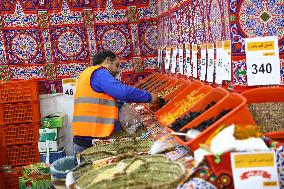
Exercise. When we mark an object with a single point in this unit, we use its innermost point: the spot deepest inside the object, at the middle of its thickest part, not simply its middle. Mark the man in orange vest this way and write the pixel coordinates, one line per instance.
(95, 107)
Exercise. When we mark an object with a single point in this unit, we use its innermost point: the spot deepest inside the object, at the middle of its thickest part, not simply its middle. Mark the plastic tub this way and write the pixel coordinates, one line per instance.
(152, 81)
(183, 87)
(182, 95)
(202, 90)
(216, 95)
(62, 166)
(157, 83)
(264, 95)
(165, 86)
(145, 79)
(238, 115)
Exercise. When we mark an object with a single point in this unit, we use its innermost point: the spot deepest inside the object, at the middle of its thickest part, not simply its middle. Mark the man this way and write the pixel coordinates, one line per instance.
(95, 110)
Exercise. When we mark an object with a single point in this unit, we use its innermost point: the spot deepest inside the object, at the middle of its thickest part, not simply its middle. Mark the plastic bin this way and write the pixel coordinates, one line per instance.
(145, 80)
(216, 95)
(19, 134)
(19, 113)
(19, 91)
(151, 81)
(183, 87)
(157, 83)
(11, 180)
(62, 166)
(238, 115)
(20, 155)
(164, 86)
(182, 95)
(264, 95)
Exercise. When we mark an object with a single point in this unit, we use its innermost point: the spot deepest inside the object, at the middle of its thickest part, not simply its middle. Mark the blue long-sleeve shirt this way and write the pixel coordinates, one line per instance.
(103, 82)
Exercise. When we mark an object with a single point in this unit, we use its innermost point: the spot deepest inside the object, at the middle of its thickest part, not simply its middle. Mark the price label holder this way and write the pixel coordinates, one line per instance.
(227, 60)
(174, 59)
(210, 62)
(203, 62)
(180, 58)
(219, 63)
(69, 87)
(188, 61)
(159, 57)
(263, 62)
(255, 170)
(194, 60)
(168, 58)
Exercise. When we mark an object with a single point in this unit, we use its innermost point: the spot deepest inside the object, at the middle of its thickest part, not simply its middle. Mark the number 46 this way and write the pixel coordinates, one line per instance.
(262, 68)
(69, 92)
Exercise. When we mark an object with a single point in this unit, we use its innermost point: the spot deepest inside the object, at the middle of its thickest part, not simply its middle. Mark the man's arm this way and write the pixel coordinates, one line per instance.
(103, 81)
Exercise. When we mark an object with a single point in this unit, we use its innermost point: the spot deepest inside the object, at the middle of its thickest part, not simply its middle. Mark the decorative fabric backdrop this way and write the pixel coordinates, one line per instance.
(50, 40)
(206, 21)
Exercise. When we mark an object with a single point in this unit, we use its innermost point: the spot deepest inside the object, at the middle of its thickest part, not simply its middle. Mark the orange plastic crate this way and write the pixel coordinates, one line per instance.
(216, 95)
(19, 91)
(150, 81)
(145, 79)
(20, 155)
(164, 86)
(182, 95)
(238, 115)
(11, 180)
(182, 88)
(19, 113)
(19, 134)
(263, 95)
(157, 82)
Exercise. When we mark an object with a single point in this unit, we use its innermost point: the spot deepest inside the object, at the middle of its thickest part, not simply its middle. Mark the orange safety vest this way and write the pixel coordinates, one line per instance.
(94, 113)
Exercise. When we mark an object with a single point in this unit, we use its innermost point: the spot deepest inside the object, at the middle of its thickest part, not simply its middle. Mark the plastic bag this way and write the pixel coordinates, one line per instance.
(129, 118)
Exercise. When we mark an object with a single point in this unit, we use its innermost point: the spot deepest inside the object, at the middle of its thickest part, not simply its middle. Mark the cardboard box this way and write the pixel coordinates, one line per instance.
(54, 146)
(55, 120)
(50, 134)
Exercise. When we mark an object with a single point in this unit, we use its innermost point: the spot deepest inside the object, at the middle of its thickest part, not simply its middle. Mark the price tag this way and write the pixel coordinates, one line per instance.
(174, 59)
(194, 60)
(263, 62)
(210, 62)
(180, 60)
(188, 61)
(219, 63)
(69, 87)
(168, 58)
(257, 170)
(159, 58)
(203, 61)
(227, 61)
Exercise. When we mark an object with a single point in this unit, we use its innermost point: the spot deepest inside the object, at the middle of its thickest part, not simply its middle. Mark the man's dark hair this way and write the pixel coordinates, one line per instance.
(102, 55)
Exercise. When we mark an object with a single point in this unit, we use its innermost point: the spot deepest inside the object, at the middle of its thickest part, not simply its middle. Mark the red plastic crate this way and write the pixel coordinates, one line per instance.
(19, 113)
(19, 91)
(19, 134)
(11, 180)
(20, 155)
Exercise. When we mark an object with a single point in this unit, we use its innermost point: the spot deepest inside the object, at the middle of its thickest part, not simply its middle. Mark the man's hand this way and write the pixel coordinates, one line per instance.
(155, 98)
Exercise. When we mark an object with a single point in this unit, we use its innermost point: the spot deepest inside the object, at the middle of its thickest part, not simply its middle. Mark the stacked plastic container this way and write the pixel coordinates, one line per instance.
(19, 127)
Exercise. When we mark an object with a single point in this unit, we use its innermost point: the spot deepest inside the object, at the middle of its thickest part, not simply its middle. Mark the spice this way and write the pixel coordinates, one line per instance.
(182, 107)
(269, 116)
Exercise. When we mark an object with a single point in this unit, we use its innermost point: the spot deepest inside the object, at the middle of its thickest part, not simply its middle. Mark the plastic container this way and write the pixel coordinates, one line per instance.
(165, 86)
(11, 180)
(185, 85)
(145, 79)
(62, 166)
(19, 91)
(19, 134)
(264, 95)
(20, 155)
(150, 81)
(238, 115)
(182, 95)
(157, 83)
(202, 90)
(216, 95)
(19, 113)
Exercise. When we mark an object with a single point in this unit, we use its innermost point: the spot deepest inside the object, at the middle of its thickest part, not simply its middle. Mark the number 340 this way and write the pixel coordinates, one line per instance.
(262, 68)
